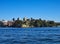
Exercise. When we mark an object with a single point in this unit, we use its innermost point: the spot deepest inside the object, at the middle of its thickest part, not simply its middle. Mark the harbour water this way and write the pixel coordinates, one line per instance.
(30, 35)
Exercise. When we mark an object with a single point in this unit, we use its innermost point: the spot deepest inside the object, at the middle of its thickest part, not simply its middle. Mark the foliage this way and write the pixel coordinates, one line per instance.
(32, 23)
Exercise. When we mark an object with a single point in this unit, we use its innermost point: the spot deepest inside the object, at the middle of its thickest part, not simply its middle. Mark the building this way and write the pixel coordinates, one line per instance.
(24, 25)
(10, 23)
(5, 22)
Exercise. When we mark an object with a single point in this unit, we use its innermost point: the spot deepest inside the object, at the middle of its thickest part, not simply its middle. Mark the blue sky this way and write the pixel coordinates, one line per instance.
(44, 9)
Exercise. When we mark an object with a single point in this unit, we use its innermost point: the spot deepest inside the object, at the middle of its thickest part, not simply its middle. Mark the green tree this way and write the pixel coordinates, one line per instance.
(17, 23)
(13, 19)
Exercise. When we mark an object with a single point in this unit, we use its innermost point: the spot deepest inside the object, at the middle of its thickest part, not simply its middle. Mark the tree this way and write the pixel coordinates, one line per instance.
(17, 23)
(1, 24)
(13, 19)
(51, 23)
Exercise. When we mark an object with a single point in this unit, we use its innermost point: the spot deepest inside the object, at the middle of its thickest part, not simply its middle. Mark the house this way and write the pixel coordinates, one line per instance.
(24, 25)
(5, 22)
(10, 23)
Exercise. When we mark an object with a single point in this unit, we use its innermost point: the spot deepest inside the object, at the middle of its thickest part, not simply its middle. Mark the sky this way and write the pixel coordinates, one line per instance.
(44, 9)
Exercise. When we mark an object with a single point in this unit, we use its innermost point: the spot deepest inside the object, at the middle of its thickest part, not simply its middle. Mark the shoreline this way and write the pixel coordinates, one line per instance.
(27, 27)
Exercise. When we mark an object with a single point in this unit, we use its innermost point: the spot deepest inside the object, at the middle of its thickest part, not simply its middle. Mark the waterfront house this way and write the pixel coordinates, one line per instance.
(5, 22)
(10, 23)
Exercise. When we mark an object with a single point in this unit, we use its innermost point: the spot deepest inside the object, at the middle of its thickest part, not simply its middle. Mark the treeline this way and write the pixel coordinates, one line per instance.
(30, 23)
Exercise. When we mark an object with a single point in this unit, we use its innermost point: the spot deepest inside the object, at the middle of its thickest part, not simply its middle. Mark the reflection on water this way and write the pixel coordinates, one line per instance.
(29, 35)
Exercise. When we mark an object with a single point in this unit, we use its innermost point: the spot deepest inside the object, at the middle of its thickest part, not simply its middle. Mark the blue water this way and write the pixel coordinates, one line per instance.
(29, 35)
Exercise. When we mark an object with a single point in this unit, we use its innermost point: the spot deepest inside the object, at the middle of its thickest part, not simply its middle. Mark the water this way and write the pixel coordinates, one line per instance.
(29, 35)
